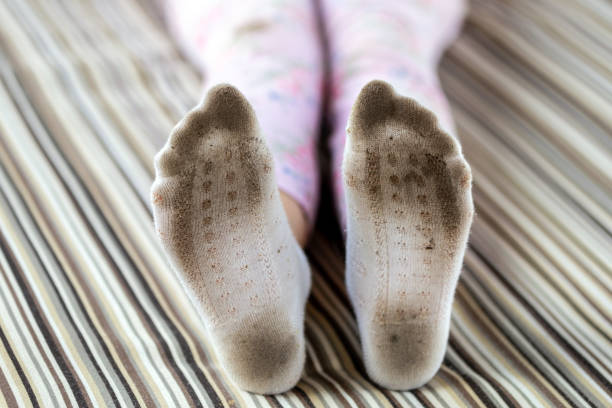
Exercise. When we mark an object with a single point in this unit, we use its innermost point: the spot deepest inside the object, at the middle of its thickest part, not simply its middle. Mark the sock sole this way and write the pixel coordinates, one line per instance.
(409, 189)
(214, 181)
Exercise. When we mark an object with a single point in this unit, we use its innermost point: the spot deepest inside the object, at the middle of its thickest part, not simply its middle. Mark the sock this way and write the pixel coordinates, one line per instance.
(219, 217)
(409, 211)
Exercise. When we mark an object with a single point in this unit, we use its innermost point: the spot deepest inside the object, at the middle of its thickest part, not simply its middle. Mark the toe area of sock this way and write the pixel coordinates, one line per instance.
(228, 108)
(264, 356)
(379, 104)
(404, 356)
(224, 107)
(374, 104)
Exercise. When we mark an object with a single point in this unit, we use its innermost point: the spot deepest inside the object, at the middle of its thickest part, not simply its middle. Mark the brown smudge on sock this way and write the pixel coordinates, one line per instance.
(178, 238)
(245, 154)
(430, 244)
(208, 167)
(372, 176)
(413, 160)
(374, 105)
(436, 169)
(405, 341)
(415, 117)
(223, 108)
(414, 177)
(258, 353)
(227, 108)
(252, 179)
(426, 218)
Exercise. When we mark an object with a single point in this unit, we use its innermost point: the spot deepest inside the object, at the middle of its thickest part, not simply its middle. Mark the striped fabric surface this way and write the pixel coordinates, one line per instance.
(91, 315)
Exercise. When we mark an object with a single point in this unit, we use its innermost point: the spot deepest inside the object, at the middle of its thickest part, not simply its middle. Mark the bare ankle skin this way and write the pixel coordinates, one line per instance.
(296, 217)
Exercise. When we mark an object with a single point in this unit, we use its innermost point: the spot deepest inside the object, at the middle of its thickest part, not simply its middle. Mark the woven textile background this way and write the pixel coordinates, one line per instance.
(91, 315)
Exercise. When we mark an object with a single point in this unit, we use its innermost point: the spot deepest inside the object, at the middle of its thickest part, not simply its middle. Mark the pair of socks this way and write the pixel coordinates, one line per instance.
(408, 212)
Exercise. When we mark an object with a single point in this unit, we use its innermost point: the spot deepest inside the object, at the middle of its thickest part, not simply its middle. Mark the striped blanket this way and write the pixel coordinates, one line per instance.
(91, 314)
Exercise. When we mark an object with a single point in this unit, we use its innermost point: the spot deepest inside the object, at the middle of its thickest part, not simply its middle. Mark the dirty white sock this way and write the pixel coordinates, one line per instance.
(409, 211)
(221, 222)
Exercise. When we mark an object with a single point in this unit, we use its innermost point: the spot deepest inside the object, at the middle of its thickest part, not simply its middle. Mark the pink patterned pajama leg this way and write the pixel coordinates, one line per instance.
(397, 41)
(269, 49)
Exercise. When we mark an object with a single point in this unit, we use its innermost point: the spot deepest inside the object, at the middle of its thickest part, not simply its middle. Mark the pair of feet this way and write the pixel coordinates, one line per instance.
(219, 216)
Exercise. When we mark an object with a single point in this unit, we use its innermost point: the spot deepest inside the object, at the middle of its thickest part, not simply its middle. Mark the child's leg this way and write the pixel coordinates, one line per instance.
(270, 51)
(403, 187)
(216, 198)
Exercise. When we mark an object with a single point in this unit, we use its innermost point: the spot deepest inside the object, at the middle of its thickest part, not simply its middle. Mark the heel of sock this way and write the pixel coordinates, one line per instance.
(404, 355)
(264, 353)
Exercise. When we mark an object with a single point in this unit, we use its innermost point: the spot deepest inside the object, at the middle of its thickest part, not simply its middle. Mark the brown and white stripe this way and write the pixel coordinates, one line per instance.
(91, 314)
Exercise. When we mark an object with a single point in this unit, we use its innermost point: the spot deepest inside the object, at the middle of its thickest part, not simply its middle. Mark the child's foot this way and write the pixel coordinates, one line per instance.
(219, 217)
(410, 208)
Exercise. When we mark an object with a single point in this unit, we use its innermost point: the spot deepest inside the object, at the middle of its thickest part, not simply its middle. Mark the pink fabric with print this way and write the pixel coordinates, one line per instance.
(271, 51)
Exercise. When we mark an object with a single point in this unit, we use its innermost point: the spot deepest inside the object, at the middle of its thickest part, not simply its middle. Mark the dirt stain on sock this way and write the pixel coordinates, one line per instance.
(227, 108)
(179, 238)
(264, 351)
(372, 176)
(430, 244)
(407, 344)
(436, 169)
(374, 105)
(414, 177)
